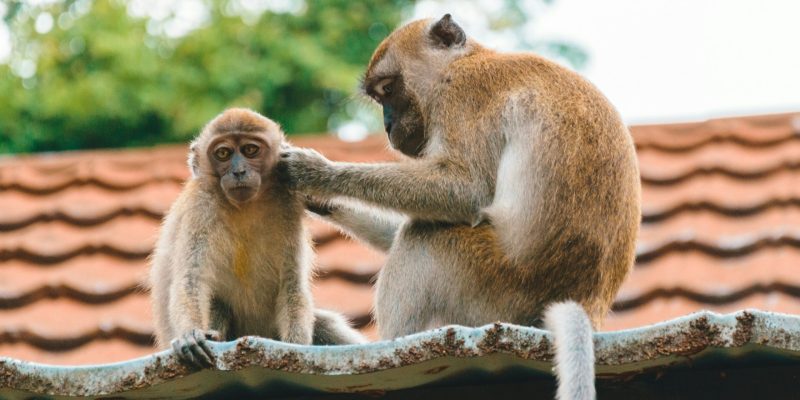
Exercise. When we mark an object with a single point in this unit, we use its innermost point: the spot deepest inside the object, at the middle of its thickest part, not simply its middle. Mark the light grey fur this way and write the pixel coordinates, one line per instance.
(222, 270)
(574, 359)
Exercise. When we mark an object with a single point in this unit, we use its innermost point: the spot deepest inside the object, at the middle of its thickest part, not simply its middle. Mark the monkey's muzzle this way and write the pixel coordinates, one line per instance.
(388, 118)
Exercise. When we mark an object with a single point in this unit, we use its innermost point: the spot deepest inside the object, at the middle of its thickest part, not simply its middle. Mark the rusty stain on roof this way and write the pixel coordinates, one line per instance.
(721, 211)
(431, 358)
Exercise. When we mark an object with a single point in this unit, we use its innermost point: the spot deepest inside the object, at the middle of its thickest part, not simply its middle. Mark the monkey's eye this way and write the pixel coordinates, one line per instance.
(384, 87)
(223, 153)
(250, 150)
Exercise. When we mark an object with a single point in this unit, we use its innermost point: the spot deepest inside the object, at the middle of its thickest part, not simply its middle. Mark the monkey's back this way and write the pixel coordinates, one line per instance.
(566, 203)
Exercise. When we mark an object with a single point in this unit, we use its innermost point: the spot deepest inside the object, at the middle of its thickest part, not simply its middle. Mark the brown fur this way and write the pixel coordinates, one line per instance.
(225, 268)
(529, 153)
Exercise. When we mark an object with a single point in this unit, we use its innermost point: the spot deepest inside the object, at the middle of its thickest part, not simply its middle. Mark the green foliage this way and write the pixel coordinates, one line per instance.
(105, 79)
(106, 75)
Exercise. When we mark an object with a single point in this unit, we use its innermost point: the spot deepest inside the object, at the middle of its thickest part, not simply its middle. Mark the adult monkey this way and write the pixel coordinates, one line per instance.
(522, 188)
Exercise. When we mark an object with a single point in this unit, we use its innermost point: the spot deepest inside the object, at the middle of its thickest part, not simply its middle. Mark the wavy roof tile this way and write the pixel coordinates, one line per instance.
(721, 231)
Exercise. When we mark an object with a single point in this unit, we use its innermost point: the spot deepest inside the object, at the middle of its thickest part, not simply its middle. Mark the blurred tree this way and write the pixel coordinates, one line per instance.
(112, 73)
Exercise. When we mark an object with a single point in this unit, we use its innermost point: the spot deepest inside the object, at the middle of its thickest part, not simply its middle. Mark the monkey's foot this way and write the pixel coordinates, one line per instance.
(193, 348)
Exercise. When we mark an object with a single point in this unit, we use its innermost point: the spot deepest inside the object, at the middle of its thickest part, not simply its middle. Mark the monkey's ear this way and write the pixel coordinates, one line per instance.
(447, 32)
(193, 161)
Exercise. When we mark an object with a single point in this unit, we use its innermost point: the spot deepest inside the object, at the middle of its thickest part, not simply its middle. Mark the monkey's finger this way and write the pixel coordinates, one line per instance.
(181, 350)
(199, 349)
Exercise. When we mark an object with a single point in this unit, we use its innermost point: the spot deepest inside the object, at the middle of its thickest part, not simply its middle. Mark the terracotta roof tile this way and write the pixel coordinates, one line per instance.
(60, 324)
(126, 236)
(99, 351)
(762, 130)
(86, 205)
(344, 256)
(670, 307)
(351, 299)
(721, 231)
(723, 192)
(726, 158)
(707, 279)
(94, 278)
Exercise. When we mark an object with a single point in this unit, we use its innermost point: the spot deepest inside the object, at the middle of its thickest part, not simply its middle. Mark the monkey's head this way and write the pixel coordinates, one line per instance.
(238, 151)
(403, 74)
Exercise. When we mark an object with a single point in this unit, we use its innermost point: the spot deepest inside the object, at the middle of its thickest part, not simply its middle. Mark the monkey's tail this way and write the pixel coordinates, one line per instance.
(574, 359)
(332, 328)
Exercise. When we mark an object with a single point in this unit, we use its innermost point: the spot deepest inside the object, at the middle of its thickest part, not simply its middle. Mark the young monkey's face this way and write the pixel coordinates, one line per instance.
(241, 162)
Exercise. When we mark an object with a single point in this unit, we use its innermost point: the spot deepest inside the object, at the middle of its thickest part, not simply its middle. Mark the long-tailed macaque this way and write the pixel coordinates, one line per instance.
(521, 186)
(233, 257)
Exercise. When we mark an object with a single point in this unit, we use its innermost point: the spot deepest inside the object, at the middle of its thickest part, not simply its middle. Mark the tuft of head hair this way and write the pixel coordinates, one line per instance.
(231, 121)
(574, 345)
(240, 120)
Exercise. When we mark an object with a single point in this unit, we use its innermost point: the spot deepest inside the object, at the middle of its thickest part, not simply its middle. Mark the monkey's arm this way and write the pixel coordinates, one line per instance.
(426, 189)
(374, 227)
(294, 306)
(191, 307)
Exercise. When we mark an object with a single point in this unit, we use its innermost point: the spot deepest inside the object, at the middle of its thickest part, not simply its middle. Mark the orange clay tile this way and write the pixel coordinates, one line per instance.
(100, 351)
(720, 199)
(713, 280)
(350, 299)
(127, 236)
(709, 226)
(756, 131)
(347, 256)
(726, 158)
(723, 192)
(52, 320)
(666, 308)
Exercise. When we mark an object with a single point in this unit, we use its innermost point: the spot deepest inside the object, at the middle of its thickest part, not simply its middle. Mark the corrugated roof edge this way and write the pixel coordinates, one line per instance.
(446, 355)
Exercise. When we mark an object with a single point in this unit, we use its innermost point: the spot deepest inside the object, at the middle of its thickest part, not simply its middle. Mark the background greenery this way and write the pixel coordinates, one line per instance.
(107, 75)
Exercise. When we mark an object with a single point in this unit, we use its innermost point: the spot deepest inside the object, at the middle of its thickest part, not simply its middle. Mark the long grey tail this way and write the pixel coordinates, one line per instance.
(574, 360)
(332, 328)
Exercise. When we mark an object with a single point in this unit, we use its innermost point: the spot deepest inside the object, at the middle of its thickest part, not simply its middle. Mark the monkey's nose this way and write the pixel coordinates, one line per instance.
(388, 117)
(239, 174)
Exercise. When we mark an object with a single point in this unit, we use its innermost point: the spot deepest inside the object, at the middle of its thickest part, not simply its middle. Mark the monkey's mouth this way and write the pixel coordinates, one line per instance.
(241, 193)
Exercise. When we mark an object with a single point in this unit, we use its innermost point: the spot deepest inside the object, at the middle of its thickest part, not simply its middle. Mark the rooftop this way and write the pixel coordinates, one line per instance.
(721, 231)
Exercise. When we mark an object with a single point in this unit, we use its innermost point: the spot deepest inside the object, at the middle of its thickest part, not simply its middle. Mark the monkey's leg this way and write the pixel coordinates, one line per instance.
(332, 328)
(295, 314)
(442, 274)
(372, 226)
(222, 320)
(403, 300)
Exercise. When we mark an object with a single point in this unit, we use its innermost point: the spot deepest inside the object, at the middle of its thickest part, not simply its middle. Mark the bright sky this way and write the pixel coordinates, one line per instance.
(657, 60)
(669, 60)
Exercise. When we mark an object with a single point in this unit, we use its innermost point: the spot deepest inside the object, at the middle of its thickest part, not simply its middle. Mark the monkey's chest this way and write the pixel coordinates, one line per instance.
(255, 278)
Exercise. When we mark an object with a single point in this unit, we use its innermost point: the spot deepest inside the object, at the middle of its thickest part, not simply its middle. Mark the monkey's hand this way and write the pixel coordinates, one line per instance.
(320, 207)
(303, 169)
(192, 347)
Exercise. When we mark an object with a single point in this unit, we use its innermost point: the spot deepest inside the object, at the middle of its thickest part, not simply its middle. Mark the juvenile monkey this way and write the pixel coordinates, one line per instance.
(521, 188)
(233, 257)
